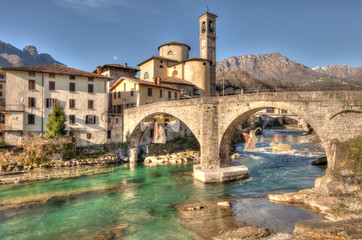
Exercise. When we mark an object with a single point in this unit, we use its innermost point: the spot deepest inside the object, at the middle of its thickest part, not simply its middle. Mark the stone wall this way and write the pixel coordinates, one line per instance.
(100, 149)
(213, 120)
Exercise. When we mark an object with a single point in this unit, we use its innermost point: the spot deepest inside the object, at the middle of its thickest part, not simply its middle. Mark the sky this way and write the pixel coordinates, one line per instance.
(86, 33)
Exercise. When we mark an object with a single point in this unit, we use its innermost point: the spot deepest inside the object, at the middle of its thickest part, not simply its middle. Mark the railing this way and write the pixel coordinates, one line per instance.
(14, 108)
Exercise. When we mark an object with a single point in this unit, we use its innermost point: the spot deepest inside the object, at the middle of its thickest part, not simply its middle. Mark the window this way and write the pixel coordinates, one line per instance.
(71, 103)
(160, 93)
(72, 119)
(119, 109)
(109, 134)
(146, 76)
(90, 104)
(124, 87)
(170, 53)
(114, 94)
(51, 75)
(31, 84)
(31, 102)
(51, 86)
(203, 27)
(116, 120)
(90, 79)
(72, 87)
(119, 94)
(169, 94)
(174, 73)
(90, 88)
(114, 109)
(211, 26)
(1, 86)
(149, 92)
(1, 94)
(90, 119)
(31, 119)
(109, 120)
(31, 74)
(161, 66)
(50, 102)
(132, 92)
(175, 94)
(71, 77)
(2, 118)
(89, 136)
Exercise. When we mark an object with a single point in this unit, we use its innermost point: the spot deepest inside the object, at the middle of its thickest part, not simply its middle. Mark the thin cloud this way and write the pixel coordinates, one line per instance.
(89, 5)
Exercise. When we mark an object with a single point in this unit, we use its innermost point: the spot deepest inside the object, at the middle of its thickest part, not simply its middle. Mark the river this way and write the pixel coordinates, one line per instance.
(137, 202)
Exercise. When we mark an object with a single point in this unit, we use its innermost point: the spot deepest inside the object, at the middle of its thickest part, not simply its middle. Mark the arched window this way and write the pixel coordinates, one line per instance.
(203, 27)
(146, 76)
(211, 26)
(170, 53)
(174, 73)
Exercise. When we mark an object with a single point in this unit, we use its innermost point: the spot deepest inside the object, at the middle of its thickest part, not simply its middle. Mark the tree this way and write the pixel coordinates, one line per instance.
(56, 122)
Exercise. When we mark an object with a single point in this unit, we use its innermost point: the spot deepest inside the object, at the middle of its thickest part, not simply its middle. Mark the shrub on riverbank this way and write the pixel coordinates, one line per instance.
(175, 145)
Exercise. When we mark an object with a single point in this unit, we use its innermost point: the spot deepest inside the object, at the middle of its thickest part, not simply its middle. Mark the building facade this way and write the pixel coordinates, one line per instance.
(35, 89)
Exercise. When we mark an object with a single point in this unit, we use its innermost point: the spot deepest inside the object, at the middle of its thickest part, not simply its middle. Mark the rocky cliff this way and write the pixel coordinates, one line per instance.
(281, 71)
(11, 56)
(341, 71)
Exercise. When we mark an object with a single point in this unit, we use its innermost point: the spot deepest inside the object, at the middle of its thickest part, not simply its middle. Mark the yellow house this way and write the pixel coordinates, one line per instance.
(131, 92)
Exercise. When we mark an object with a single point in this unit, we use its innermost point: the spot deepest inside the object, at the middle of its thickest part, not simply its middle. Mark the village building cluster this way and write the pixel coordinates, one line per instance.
(94, 102)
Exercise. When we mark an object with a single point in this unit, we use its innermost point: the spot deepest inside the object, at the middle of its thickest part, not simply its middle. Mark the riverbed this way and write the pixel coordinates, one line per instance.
(137, 202)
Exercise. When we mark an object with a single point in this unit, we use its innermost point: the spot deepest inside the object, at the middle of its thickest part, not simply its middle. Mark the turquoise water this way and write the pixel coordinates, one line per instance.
(128, 202)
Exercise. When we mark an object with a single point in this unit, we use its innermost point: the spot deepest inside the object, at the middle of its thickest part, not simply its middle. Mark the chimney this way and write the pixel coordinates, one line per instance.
(182, 91)
(125, 64)
(99, 70)
(158, 81)
(154, 80)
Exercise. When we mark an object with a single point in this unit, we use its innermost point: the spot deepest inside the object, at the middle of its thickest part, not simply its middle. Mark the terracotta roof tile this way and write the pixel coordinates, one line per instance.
(142, 82)
(174, 43)
(176, 80)
(56, 69)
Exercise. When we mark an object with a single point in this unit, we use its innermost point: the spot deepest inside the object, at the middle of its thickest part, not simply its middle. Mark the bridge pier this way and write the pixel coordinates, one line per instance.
(212, 168)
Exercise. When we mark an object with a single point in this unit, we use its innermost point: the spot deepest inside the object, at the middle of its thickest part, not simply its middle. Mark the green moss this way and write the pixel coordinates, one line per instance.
(350, 152)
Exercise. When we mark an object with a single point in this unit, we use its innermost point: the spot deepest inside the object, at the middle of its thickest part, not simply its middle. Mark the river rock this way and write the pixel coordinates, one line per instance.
(340, 230)
(320, 161)
(244, 233)
(235, 156)
(223, 204)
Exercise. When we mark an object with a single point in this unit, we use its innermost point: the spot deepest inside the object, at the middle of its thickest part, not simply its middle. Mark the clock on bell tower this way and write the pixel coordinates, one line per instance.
(208, 44)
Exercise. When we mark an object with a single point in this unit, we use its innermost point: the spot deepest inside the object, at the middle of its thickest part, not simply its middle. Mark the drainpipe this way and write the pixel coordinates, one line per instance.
(42, 103)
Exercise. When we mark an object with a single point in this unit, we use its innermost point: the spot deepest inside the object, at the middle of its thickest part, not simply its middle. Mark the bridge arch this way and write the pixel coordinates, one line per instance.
(245, 110)
(184, 110)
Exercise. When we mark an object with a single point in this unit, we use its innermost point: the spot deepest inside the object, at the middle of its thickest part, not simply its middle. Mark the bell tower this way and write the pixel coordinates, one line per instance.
(207, 31)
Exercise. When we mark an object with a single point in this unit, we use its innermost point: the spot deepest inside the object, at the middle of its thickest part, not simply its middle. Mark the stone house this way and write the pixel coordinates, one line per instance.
(33, 90)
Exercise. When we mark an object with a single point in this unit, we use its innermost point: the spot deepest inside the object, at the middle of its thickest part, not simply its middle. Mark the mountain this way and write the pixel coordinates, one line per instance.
(11, 56)
(341, 71)
(280, 70)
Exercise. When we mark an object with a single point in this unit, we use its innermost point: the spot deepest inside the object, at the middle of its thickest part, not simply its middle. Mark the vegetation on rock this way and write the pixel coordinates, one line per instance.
(175, 145)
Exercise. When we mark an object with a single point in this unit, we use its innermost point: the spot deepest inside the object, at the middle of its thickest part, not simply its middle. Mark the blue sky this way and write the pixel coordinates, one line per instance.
(86, 33)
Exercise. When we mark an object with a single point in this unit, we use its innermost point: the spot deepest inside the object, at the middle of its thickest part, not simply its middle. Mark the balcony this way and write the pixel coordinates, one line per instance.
(13, 108)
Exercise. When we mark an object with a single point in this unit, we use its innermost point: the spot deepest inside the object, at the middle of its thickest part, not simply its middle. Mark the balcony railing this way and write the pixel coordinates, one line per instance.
(14, 108)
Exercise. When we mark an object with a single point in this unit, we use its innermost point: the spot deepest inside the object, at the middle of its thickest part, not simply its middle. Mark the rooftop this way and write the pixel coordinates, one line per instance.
(142, 82)
(56, 69)
(157, 57)
(174, 43)
(117, 66)
(176, 80)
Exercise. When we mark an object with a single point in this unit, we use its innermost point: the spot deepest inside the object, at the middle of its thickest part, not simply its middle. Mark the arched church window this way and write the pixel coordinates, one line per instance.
(146, 76)
(170, 53)
(211, 26)
(203, 27)
(174, 73)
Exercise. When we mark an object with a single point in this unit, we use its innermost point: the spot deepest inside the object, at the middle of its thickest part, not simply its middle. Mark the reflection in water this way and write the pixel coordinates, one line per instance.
(136, 202)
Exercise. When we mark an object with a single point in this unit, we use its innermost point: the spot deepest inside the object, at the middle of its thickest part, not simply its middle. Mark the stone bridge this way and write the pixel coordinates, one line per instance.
(213, 120)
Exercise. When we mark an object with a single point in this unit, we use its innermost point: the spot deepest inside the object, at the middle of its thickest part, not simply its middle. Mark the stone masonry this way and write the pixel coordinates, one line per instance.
(213, 120)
